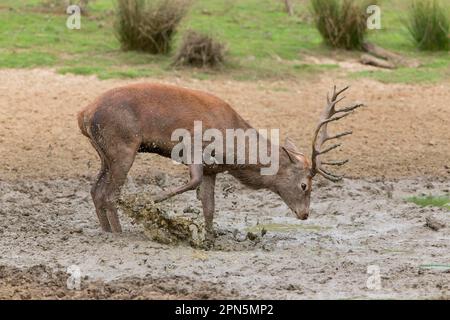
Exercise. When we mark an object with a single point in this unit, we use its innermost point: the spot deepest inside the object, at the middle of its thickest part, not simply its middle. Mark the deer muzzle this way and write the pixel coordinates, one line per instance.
(302, 214)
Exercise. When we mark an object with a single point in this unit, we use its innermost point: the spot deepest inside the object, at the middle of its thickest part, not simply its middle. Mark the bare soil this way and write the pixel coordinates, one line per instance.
(404, 131)
(49, 225)
(400, 148)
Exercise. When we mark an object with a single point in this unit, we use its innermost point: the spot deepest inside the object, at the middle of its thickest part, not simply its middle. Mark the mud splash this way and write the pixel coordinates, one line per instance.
(167, 225)
(162, 224)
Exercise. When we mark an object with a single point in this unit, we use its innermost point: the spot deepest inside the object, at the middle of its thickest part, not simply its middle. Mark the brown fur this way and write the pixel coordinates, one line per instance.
(142, 117)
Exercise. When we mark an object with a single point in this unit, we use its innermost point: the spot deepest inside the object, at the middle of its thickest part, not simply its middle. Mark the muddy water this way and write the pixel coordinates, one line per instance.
(50, 225)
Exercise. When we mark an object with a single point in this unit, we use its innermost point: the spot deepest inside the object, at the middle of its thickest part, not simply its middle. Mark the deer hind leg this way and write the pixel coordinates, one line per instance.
(116, 161)
(97, 192)
(118, 169)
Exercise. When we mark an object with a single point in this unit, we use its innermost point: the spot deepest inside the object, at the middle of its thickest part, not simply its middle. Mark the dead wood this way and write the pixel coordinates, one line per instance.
(394, 58)
(374, 61)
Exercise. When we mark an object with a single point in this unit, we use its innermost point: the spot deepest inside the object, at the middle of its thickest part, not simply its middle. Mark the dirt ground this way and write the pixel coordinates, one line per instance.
(400, 148)
(403, 132)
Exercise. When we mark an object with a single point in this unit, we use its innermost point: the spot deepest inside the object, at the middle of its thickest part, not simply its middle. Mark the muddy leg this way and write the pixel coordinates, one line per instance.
(97, 192)
(196, 173)
(206, 195)
(98, 200)
(115, 178)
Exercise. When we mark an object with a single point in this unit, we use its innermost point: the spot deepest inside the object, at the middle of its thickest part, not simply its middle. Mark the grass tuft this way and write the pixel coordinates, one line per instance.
(262, 42)
(342, 23)
(200, 50)
(149, 26)
(435, 201)
(429, 25)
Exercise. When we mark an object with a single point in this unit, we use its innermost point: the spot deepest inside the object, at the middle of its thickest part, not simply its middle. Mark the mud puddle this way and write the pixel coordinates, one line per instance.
(353, 225)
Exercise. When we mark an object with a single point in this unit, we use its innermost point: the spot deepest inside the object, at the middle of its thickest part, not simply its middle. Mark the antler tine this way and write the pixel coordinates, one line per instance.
(335, 163)
(321, 135)
(350, 108)
(330, 110)
(325, 134)
(334, 146)
(340, 135)
(335, 118)
(336, 94)
(329, 176)
(331, 119)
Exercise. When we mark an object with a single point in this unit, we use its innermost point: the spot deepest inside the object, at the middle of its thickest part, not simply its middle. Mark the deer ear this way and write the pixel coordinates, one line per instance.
(291, 150)
(290, 154)
(290, 145)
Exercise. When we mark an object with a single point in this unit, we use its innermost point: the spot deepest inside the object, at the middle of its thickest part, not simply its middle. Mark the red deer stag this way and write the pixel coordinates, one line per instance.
(141, 118)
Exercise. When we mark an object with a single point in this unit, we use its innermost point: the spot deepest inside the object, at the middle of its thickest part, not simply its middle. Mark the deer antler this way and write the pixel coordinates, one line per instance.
(321, 135)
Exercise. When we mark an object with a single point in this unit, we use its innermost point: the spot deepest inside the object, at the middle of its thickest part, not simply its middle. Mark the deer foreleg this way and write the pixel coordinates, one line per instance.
(206, 195)
(196, 173)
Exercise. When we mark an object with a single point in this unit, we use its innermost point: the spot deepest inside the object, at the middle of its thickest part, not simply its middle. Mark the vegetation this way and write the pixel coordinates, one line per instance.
(342, 23)
(429, 25)
(263, 41)
(435, 201)
(200, 50)
(148, 25)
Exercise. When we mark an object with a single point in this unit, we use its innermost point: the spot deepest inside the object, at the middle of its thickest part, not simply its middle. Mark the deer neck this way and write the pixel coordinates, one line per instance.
(250, 175)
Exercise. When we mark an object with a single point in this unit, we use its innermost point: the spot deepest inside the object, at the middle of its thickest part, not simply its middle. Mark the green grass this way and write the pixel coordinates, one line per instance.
(429, 25)
(263, 41)
(435, 201)
(17, 59)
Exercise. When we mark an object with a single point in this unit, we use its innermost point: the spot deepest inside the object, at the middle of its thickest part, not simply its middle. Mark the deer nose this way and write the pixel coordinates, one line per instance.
(302, 215)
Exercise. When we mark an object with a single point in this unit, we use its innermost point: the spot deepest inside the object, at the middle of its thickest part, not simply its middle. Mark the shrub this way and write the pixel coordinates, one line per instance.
(200, 50)
(429, 25)
(342, 23)
(149, 26)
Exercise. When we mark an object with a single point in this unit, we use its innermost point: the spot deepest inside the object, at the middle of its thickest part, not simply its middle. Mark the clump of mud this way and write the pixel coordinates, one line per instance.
(173, 225)
(162, 224)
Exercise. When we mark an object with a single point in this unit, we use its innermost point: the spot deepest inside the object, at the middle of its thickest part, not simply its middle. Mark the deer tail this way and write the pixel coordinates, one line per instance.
(83, 124)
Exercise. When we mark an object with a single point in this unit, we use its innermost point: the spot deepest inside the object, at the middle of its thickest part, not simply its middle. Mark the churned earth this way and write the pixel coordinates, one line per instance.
(49, 226)
(400, 148)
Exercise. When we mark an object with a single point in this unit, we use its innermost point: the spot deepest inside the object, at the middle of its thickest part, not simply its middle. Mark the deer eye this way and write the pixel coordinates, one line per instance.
(303, 185)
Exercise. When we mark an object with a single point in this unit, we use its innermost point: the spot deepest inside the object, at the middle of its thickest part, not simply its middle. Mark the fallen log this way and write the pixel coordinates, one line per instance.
(392, 57)
(374, 61)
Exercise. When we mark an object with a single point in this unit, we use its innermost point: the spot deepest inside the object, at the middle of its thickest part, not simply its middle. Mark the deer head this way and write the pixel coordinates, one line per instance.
(294, 179)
